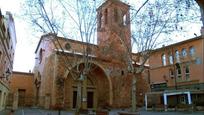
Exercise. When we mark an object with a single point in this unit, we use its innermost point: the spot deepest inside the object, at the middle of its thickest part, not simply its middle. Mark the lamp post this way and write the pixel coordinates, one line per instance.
(7, 74)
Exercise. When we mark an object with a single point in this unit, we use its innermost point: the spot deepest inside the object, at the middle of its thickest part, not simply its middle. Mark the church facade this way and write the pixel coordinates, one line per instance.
(59, 75)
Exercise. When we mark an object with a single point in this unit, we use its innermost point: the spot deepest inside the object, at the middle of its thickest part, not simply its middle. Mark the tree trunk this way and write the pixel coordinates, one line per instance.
(134, 98)
(84, 93)
(78, 106)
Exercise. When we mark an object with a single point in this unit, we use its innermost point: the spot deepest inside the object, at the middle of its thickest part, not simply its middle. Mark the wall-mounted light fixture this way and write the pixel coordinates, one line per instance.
(7, 73)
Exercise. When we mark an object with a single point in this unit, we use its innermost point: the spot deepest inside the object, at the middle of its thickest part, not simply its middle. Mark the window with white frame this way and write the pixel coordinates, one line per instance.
(178, 71)
(177, 56)
(183, 52)
(171, 61)
(124, 20)
(171, 73)
(187, 72)
(163, 59)
(191, 51)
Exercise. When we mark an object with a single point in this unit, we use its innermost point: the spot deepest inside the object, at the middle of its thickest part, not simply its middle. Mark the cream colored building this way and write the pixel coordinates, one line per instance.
(176, 75)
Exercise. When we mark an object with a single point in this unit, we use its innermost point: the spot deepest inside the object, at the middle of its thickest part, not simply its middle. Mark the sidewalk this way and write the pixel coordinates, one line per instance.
(4, 112)
(37, 111)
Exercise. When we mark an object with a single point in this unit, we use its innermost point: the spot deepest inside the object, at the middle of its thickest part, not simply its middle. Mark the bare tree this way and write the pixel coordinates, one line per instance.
(151, 22)
(152, 25)
(78, 18)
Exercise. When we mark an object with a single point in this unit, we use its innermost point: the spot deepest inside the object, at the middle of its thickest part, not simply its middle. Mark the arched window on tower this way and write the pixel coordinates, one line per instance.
(106, 16)
(115, 14)
(41, 55)
(99, 20)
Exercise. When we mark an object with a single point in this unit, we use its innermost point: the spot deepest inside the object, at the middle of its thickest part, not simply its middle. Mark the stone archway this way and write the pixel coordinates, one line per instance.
(91, 94)
(99, 88)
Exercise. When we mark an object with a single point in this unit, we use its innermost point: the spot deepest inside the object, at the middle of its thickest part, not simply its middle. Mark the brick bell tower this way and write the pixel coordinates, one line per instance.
(113, 30)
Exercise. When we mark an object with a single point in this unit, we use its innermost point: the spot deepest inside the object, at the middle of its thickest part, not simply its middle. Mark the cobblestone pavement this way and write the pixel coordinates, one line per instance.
(115, 112)
(35, 111)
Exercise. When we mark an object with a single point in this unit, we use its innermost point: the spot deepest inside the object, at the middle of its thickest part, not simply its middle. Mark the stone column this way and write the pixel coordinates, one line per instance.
(84, 93)
(146, 102)
(165, 102)
(78, 106)
(189, 98)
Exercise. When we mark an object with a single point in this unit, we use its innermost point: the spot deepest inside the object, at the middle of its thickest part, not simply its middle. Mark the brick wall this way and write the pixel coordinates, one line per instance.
(22, 83)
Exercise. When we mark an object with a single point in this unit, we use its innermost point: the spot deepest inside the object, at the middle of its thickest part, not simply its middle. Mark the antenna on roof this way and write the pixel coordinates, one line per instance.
(195, 34)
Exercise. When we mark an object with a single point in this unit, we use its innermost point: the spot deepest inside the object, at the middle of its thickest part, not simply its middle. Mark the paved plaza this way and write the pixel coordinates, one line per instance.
(35, 111)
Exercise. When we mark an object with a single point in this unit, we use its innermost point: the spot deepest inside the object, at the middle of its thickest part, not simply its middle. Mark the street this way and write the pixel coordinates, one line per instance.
(35, 111)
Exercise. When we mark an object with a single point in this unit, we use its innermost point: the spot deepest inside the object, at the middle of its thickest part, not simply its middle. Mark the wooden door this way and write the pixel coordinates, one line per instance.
(74, 99)
(90, 99)
(21, 97)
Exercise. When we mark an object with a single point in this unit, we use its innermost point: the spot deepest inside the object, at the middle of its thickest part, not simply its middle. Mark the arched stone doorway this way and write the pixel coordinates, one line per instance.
(91, 94)
(98, 88)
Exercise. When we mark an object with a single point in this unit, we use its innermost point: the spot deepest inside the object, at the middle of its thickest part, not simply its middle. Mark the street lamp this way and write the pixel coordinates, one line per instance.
(7, 74)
